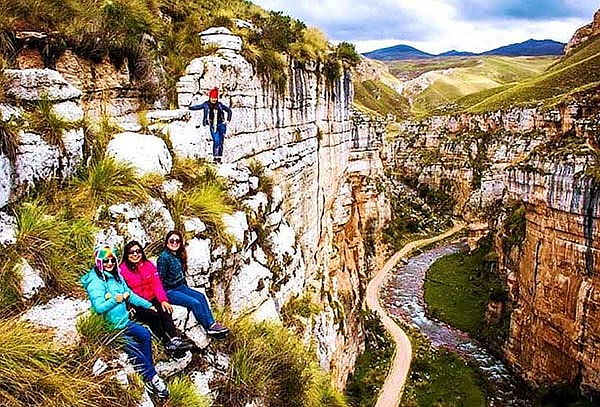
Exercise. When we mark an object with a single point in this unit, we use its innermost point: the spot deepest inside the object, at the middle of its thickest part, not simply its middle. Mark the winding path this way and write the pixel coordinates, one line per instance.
(391, 392)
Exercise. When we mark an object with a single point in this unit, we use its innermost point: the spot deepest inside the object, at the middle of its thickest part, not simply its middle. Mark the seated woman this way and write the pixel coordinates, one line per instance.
(172, 265)
(142, 277)
(109, 295)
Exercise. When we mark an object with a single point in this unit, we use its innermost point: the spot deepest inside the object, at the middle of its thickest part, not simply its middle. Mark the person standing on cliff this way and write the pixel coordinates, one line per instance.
(214, 116)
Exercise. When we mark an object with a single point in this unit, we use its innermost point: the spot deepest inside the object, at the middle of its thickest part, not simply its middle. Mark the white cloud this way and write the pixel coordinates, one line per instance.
(432, 25)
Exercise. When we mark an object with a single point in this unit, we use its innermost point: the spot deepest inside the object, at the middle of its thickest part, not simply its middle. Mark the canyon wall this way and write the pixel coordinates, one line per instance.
(321, 219)
(547, 160)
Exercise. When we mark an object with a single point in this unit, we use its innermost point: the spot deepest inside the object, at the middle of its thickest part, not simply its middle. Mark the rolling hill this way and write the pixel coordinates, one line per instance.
(530, 47)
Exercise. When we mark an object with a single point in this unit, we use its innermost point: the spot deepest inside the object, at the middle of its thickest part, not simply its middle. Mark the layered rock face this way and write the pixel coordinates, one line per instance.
(305, 137)
(541, 158)
(584, 33)
(314, 234)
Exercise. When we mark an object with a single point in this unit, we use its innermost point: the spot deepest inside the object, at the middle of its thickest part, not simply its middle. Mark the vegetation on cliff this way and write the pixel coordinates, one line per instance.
(372, 366)
(377, 98)
(143, 34)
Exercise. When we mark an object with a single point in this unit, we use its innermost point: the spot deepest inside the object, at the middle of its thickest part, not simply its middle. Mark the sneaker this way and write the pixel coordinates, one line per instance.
(177, 344)
(157, 386)
(217, 159)
(217, 330)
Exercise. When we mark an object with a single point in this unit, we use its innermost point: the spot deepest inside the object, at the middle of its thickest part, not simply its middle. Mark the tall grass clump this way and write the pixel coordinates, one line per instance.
(107, 182)
(183, 393)
(34, 373)
(96, 335)
(194, 172)
(265, 183)
(271, 363)
(10, 279)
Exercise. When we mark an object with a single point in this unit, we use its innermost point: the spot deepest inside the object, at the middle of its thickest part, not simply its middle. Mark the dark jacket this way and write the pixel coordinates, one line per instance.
(170, 270)
(209, 112)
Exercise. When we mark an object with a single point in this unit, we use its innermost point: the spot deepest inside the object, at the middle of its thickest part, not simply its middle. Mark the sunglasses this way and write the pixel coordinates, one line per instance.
(109, 260)
(134, 251)
(175, 241)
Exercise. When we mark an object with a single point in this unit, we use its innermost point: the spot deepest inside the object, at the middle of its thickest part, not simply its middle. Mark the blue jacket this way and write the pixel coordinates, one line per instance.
(170, 270)
(209, 112)
(102, 303)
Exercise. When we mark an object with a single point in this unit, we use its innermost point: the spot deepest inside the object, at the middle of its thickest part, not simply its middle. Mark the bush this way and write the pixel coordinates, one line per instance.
(34, 373)
(270, 363)
(107, 182)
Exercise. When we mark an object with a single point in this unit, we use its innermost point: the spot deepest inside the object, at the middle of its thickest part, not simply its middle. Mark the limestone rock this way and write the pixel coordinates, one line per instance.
(147, 154)
(170, 367)
(199, 260)
(146, 223)
(249, 288)
(222, 38)
(258, 202)
(194, 225)
(236, 225)
(8, 229)
(167, 116)
(202, 380)
(59, 314)
(283, 240)
(189, 139)
(186, 322)
(33, 84)
(267, 312)
(32, 281)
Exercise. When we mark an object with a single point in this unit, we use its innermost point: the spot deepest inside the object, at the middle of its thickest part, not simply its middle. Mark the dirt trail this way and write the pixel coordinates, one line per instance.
(391, 392)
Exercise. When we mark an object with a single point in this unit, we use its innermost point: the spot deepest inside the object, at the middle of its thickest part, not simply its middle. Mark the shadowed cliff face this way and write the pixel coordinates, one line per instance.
(541, 158)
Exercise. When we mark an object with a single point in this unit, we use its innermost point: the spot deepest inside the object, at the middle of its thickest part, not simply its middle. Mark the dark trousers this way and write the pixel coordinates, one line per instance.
(138, 345)
(218, 135)
(160, 322)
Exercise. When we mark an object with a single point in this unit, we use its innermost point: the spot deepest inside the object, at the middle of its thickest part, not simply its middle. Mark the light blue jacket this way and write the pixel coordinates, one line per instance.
(106, 305)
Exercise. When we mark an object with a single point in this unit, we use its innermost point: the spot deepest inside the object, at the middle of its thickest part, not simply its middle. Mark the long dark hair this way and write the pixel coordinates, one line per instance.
(181, 252)
(131, 266)
(115, 272)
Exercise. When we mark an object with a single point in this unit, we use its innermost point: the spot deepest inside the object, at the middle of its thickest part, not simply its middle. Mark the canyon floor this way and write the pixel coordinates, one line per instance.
(391, 392)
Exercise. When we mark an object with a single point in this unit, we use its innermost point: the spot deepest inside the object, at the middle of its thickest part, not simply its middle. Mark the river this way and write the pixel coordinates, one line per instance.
(403, 298)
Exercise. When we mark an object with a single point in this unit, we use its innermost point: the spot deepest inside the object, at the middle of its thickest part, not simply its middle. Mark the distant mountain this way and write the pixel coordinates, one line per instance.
(530, 47)
(455, 53)
(397, 52)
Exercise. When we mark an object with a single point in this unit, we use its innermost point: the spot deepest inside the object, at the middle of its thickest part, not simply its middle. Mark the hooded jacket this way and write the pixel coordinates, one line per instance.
(102, 292)
(144, 281)
(170, 269)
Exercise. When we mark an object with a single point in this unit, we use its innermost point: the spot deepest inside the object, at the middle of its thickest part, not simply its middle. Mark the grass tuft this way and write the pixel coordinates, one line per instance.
(45, 122)
(107, 182)
(271, 363)
(265, 183)
(184, 394)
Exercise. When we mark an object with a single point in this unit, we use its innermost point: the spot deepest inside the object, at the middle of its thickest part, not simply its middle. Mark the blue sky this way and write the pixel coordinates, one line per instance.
(440, 25)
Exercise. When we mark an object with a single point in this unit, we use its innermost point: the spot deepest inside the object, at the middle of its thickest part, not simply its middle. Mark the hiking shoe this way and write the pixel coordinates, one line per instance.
(157, 386)
(217, 330)
(177, 344)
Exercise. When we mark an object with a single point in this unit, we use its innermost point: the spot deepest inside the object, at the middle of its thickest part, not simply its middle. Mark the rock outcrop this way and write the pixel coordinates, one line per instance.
(543, 158)
(583, 34)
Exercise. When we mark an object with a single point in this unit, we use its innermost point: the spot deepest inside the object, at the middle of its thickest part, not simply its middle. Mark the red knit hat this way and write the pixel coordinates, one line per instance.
(213, 93)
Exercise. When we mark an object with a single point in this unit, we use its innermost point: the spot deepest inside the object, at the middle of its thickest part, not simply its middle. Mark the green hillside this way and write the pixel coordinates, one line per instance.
(453, 78)
(375, 97)
(577, 73)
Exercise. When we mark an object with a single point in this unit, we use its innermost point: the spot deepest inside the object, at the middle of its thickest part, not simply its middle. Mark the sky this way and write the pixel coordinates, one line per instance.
(439, 25)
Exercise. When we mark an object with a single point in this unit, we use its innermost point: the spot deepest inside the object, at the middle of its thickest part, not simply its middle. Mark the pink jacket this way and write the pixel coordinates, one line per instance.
(144, 281)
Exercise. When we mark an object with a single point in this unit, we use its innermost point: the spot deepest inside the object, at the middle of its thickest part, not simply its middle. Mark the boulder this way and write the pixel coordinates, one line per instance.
(31, 282)
(249, 288)
(222, 38)
(199, 261)
(8, 229)
(189, 139)
(202, 380)
(236, 225)
(186, 322)
(172, 366)
(146, 153)
(258, 202)
(34, 84)
(59, 314)
(5, 180)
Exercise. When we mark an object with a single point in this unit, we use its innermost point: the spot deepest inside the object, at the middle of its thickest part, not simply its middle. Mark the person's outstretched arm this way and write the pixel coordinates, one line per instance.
(228, 110)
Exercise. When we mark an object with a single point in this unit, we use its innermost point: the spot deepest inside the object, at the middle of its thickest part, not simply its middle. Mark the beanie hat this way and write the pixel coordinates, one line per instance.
(104, 251)
(213, 93)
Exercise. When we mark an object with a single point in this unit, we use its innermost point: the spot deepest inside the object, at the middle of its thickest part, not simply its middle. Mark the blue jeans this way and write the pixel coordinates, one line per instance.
(138, 345)
(194, 301)
(218, 135)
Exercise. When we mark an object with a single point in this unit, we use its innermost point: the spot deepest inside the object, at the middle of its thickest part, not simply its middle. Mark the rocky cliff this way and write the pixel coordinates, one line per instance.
(545, 159)
(313, 234)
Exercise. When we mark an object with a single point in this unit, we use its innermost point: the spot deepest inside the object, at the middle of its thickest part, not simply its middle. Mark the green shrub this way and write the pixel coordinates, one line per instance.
(269, 362)
(35, 374)
(195, 172)
(265, 183)
(183, 393)
(107, 182)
